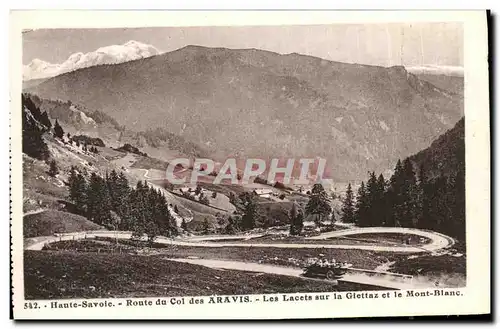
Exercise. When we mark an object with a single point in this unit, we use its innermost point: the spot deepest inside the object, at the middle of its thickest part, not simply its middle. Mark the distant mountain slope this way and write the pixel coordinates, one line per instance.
(80, 120)
(452, 84)
(33, 82)
(262, 104)
(446, 155)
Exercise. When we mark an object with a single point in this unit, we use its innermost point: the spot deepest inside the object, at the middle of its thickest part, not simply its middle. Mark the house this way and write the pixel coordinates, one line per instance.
(263, 192)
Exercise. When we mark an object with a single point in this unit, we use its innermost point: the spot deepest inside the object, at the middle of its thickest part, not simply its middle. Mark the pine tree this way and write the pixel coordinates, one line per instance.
(296, 217)
(206, 226)
(198, 190)
(58, 131)
(395, 196)
(457, 197)
(381, 204)
(184, 224)
(78, 190)
(115, 220)
(411, 200)
(32, 108)
(119, 193)
(361, 206)
(231, 225)
(319, 204)
(44, 119)
(250, 213)
(348, 206)
(422, 198)
(99, 201)
(371, 202)
(53, 170)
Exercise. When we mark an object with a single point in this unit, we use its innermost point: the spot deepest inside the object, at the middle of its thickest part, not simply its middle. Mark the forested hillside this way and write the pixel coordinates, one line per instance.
(427, 190)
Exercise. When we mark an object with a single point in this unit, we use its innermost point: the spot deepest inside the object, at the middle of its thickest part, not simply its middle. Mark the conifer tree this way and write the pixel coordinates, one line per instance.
(32, 108)
(119, 193)
(78, 190)
(371, 200)
(361, 206)
(58, 130)
(250, 212)
(411, 200)
(44, 119)
(381, 205)
(456, 195)
(197, 191)
(348, 206)
(99, 201)
(395, 196)
(296, 220)
(319, 204)
(206, 226)
(184, 224)
(53, 170)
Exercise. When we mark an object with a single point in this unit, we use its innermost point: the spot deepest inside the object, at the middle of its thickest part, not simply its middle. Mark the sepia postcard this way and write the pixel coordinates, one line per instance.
(249, 164)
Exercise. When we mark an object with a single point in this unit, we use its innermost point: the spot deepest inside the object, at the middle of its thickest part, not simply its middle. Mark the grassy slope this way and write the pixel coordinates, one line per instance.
(39, 189)
(53, 221)
(97, 275)
(431, 265)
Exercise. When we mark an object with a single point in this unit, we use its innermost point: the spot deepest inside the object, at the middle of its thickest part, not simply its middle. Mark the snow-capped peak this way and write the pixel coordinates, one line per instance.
(114, 54)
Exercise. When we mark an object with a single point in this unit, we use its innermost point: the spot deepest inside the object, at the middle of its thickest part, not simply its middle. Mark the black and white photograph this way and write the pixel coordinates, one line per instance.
(178, 165)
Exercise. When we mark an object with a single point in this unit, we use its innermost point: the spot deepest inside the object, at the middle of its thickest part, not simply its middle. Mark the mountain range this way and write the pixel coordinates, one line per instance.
(255, 103)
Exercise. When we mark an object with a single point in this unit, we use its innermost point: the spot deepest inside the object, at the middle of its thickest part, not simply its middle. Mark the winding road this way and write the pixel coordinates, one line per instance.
(437, 241)
(381, 279)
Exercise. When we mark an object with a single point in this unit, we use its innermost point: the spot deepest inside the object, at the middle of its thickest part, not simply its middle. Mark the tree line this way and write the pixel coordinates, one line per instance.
(110, 201)
(409, 199)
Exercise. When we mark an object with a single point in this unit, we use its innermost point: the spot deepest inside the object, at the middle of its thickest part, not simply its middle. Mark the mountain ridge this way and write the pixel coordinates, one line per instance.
(260, 103)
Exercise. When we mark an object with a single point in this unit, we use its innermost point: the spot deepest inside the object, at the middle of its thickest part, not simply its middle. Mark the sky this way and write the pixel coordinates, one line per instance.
(372, 44)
